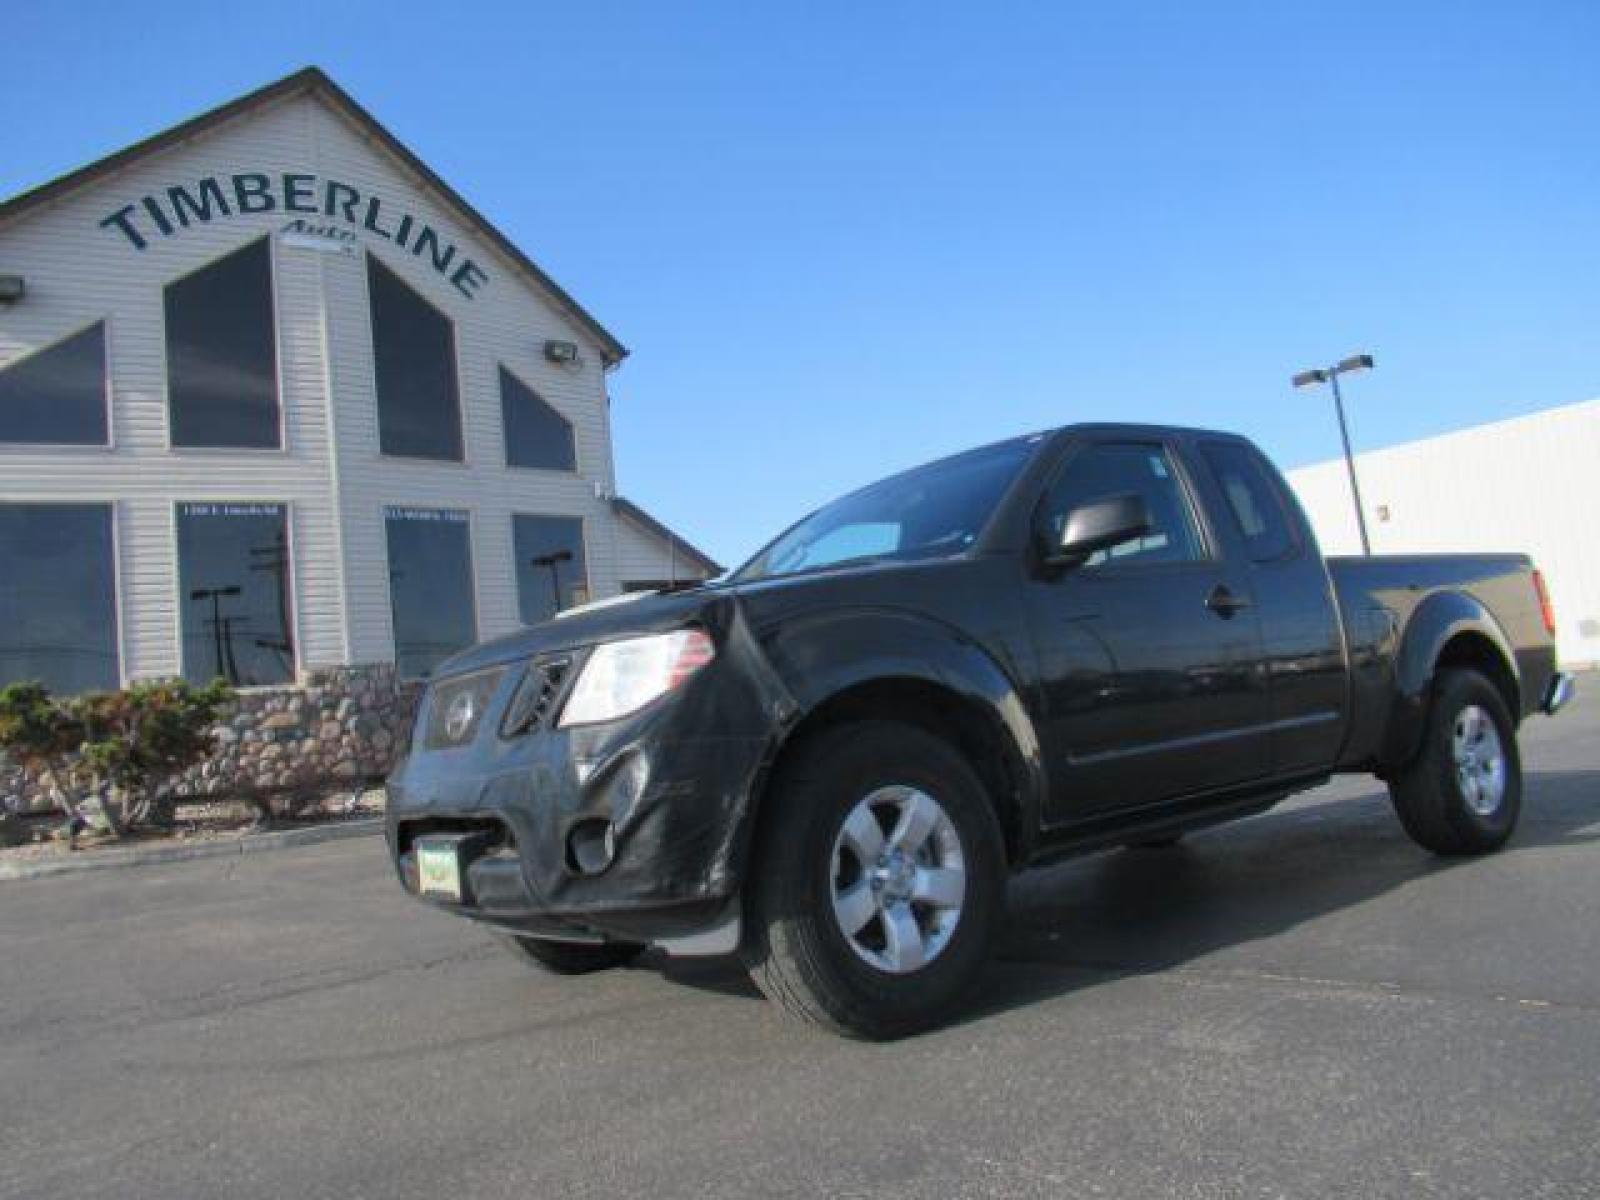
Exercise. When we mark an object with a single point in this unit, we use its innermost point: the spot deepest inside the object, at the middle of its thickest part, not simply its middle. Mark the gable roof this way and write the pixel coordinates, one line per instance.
(312, 81)
(632, 512)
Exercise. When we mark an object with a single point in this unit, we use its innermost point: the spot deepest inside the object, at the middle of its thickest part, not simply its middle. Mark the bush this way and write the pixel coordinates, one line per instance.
(118, 753)
(40, 737)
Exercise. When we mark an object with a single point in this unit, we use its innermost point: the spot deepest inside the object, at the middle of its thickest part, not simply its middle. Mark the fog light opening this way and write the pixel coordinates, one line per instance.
(591, 846)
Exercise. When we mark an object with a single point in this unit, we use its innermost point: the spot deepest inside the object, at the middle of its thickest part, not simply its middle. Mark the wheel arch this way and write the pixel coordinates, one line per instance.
(1449, 629)
(899, 668)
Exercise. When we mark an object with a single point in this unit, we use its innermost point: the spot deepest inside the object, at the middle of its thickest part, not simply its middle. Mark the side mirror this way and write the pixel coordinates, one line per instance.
(1099, 525)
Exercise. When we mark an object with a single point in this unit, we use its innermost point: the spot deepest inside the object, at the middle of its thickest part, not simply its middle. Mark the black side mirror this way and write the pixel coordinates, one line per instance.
(1099, 525)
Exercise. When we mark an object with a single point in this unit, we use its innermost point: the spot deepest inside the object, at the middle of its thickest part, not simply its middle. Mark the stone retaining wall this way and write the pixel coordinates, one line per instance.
(336, 727)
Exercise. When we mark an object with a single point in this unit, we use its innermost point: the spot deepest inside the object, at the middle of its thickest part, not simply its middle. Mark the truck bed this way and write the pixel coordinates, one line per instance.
(1379, 596)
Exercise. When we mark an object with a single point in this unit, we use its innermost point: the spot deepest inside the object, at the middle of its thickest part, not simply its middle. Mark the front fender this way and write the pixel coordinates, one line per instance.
(822, 657)
(1438, 619)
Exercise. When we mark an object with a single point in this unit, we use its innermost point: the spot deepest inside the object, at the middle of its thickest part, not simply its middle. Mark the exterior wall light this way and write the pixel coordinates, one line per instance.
(565, 353)
(12, 289)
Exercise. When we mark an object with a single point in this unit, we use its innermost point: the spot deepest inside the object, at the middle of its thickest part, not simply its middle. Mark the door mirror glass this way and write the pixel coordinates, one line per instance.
(1100, 525)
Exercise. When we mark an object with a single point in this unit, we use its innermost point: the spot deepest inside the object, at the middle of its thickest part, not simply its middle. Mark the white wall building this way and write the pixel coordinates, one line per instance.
(273, 397)
(1530, 484)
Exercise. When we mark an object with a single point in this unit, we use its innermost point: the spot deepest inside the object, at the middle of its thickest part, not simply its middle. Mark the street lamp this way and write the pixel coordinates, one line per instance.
(551, 560)
(1330, 376)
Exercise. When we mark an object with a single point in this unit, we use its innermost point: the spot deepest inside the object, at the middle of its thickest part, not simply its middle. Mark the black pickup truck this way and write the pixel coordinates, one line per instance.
(830, 761)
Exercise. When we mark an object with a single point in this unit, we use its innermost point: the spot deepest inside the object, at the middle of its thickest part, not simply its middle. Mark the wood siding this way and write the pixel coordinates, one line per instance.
(329, 472)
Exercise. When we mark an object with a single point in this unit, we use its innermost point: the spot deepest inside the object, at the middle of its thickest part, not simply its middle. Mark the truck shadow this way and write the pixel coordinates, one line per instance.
(1133, 912)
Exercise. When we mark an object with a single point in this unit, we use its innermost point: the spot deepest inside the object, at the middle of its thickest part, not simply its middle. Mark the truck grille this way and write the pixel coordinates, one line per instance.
(456, 708)
(536, 696)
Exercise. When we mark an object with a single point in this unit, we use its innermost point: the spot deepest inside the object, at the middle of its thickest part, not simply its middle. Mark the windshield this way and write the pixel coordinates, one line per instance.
(928, 512)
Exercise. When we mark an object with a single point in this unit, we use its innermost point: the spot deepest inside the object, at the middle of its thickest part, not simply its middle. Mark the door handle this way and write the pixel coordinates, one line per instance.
(1224, 603)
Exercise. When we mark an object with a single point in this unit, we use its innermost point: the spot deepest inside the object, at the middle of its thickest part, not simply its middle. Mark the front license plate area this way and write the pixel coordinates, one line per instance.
(439, 868)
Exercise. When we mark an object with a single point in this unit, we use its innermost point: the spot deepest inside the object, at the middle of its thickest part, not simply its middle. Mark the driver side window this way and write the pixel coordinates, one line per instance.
(1118, 468)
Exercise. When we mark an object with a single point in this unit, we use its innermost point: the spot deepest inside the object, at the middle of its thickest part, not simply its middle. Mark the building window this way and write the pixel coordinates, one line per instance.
(414, 363)
(57, 396)
(58, 609)
(683, 583)
(536, 434)
(552, 572)
(233, 575)
(430, 586)
(222, 355)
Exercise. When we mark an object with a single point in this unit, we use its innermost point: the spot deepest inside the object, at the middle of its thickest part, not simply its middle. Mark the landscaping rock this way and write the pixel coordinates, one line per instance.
(335, 726)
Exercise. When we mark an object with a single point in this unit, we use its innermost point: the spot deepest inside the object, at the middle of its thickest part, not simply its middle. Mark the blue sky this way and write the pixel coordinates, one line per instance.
(844, 238)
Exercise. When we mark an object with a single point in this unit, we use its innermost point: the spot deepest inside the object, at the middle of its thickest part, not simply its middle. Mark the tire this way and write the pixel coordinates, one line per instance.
(1462, 793)
(569, 958)
(932, 897)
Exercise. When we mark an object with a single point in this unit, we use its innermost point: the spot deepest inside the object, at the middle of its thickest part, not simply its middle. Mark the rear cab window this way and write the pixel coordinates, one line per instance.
(1255, 504)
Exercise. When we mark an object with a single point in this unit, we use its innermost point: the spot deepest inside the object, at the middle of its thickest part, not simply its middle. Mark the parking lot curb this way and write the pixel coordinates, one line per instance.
(140, 856)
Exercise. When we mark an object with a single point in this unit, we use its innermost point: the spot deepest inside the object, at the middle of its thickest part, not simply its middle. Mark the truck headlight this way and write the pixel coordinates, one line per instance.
(622, 677)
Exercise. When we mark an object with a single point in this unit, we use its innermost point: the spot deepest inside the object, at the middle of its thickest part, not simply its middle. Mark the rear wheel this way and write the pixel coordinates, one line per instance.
(878, 882)
(570, 958)
(1463, 792)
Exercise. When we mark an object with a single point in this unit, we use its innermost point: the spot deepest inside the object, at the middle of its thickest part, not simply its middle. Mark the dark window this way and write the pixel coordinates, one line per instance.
(1116, 469)
(551, 571)
(536, 434)
(57, 396)
(414, 356)
(222, 368)
(662, 585)
(1252, 498)
(58, 612)
(430, 586)
(233, 575)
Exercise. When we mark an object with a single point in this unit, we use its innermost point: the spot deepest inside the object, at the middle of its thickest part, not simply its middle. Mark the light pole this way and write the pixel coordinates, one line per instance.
(1330, 376)
(550, 560)
(215, 595)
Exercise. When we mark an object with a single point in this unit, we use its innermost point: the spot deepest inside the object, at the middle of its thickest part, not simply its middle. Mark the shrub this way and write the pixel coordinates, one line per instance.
(119, 752)
(40, 737)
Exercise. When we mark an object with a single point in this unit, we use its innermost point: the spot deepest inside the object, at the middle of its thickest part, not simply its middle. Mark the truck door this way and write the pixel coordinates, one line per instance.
(1303, 656)
(1149, 652)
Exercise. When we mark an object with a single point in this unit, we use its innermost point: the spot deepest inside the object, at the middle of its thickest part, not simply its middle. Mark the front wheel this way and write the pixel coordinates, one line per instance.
(1462, 794)
(878, 882)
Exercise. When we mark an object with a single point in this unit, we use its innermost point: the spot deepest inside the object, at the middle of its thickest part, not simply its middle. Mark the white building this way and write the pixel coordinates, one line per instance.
(274, 398)
(1530, 484)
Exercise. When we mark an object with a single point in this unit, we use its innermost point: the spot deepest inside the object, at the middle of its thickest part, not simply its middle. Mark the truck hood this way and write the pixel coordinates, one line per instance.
(606, 620)
(876, 584)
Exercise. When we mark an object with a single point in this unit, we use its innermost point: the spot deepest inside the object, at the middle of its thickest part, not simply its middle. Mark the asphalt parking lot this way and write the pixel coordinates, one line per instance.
(1303, 1004)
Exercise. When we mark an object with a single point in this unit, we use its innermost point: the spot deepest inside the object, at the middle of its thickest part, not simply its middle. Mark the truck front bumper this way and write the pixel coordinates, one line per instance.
(646, 847)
